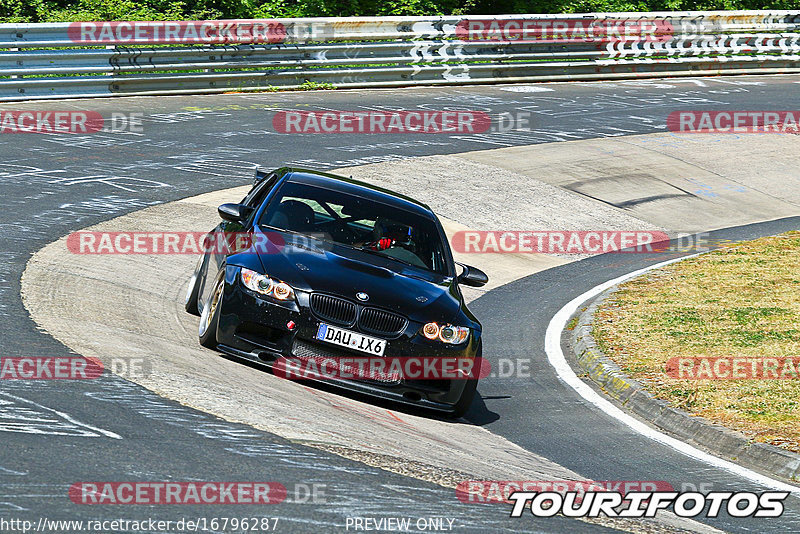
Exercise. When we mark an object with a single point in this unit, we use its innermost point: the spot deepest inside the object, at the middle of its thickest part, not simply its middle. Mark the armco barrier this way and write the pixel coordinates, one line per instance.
(87, 59)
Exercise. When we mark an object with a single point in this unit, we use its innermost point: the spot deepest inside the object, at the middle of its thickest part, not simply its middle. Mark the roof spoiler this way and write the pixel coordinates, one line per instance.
(260, 174)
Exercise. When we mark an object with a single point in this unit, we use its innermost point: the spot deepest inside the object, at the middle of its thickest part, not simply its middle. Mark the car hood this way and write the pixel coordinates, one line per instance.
(342, 271)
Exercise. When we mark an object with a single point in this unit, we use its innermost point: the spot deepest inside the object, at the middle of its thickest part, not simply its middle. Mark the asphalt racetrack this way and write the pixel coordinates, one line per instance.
(58, 433)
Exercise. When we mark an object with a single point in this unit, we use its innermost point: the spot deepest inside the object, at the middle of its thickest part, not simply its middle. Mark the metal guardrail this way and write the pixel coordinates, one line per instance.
(60, 60)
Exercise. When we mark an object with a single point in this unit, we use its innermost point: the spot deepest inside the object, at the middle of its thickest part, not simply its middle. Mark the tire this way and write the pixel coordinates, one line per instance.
(470, 388)
(209, 319)
(465, 401)
(190, 303)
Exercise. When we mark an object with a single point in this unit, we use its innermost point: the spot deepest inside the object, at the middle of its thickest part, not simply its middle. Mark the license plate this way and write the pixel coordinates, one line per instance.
(351, 340)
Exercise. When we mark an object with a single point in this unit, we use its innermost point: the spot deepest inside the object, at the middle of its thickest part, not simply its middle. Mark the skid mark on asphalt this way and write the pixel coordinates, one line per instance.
(125, 183)
(5, 472)
(18, 414)
(9, 482)
(239, 439)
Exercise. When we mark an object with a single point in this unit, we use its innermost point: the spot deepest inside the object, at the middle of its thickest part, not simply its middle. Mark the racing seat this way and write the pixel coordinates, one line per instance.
(293, 215)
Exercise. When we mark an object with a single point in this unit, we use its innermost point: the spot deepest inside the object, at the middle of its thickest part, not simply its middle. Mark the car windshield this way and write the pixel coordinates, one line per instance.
(358, 223)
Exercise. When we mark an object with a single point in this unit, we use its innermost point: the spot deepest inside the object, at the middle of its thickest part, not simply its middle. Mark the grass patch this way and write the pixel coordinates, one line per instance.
(739, 301)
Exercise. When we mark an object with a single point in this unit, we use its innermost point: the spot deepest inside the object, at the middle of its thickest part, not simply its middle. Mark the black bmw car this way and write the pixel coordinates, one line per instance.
(330, 267)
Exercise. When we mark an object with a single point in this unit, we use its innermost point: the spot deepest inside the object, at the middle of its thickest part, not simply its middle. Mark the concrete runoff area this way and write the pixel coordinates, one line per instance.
(682, 182)
(136, 304)
(108, 306)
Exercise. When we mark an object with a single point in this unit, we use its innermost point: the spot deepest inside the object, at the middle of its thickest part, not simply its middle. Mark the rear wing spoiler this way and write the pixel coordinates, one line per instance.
(260, 174)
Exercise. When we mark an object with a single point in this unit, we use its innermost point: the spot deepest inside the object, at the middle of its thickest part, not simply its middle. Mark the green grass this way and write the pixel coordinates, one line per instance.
(740, 301)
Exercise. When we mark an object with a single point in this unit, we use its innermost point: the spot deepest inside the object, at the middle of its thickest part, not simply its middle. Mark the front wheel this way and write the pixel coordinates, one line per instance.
(190, 303)
(470, 388)
(209, 319)
(465, 401)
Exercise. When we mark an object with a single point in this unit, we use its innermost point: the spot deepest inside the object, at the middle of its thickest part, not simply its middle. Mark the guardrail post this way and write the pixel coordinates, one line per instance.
(114, 48)
(15, 76)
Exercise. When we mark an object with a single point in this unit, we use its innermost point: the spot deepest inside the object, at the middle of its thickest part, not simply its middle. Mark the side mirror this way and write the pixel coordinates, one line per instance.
(472, 276)
(234, 212)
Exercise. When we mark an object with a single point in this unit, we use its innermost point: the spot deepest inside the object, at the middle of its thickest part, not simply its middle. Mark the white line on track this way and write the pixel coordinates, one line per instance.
(552, 345)
(64, 416)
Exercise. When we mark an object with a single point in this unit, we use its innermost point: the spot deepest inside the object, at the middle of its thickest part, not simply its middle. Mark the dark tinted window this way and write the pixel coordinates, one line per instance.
(358, 223)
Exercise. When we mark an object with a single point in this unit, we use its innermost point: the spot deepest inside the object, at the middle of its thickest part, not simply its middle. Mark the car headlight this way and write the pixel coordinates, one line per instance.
(447, 333)
(264, 285)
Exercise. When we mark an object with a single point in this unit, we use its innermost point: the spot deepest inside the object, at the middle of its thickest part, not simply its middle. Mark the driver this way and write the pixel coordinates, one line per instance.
(391, 239)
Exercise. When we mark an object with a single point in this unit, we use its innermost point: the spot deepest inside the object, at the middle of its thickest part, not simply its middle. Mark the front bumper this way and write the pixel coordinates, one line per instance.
(255, 329)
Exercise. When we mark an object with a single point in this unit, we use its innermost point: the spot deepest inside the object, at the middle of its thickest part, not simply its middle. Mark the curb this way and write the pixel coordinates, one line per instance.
(723, 442)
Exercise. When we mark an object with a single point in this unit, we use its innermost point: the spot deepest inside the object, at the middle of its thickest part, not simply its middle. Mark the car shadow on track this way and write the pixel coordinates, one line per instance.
(479, 414)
